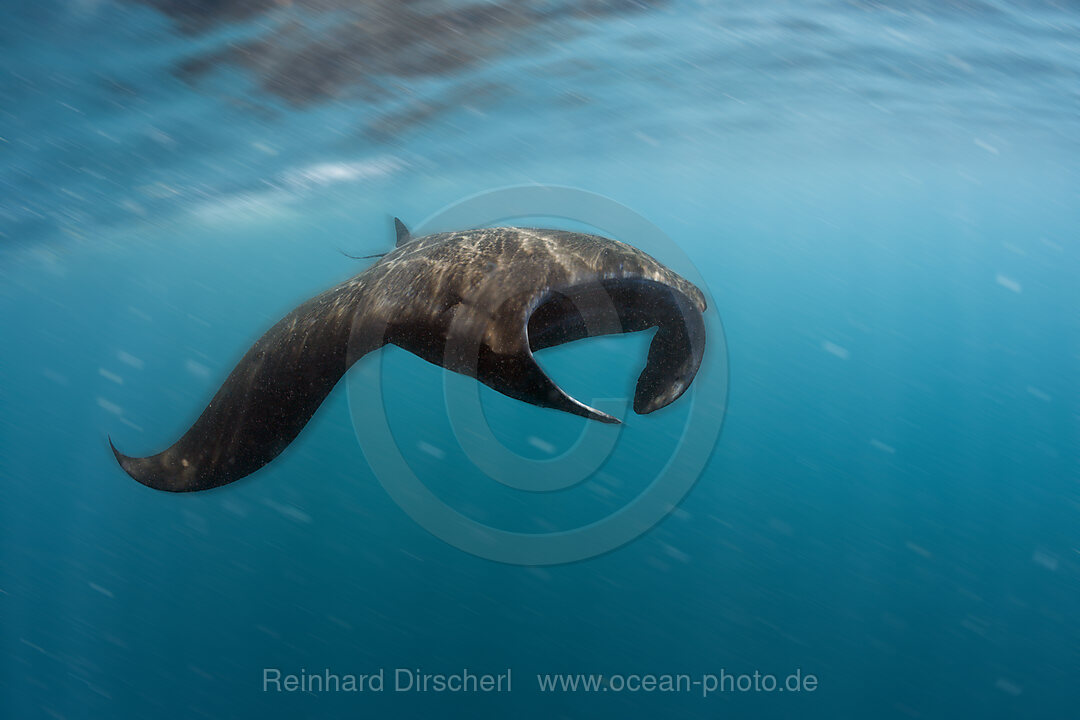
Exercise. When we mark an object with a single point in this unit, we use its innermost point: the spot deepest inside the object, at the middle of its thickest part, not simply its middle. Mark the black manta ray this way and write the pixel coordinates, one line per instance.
(477, 302)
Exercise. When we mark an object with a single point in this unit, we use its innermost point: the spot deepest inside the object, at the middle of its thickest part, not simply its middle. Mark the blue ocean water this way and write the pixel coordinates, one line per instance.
(881, 197)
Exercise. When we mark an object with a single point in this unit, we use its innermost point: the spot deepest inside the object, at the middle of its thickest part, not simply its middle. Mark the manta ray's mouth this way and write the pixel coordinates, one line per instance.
(623, 305)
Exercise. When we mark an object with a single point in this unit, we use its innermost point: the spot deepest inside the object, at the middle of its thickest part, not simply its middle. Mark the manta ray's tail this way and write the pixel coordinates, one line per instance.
(266, 400)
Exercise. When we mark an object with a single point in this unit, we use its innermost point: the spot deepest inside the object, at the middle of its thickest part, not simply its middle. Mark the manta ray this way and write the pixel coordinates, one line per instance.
(477, 302)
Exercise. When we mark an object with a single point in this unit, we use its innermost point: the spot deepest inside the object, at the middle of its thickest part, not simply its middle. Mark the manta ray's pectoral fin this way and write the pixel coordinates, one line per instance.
(494, 348)
(520, 377)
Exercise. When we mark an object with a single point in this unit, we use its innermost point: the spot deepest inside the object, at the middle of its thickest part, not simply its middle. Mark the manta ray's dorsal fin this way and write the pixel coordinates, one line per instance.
(403, 234)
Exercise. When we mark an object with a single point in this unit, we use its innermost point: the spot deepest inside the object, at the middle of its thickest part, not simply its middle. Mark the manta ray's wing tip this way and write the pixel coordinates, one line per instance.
(579, 408)
(593, 414)
(123, 460)
(120, 457)
(145, 471)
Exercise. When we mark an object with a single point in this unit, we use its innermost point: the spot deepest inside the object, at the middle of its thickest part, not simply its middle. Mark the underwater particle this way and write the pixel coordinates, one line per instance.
(541, 444)
(38, 648)
(834, 349)
(429, 449)
(133, 426)
(1051, 244)
(918, 549)
(959, 64)
(54, 376)
(675, 553)
(781, 527)
(330, 173)
(139, 313)
(133, 207)
(201, 673)
(1037, 393)
(269, 632)
(160, 137)
(1008, 686)
(1008, 283)
(339, 622)
(602, 492)
(129, 359)
(242, 207)
(195, 522)
(289, 511)
(975, 625)
(197, 369)
(539, 573)
(1045, 559)
(237, 509)
(109, 406)
(97, 588)
(648, 139)
(878, 445)
(110, 376)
